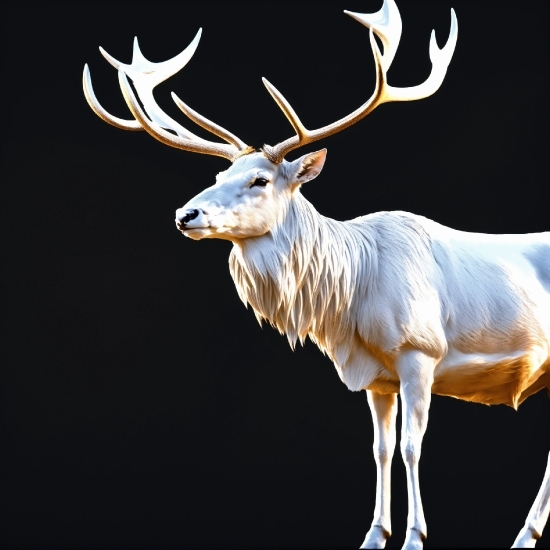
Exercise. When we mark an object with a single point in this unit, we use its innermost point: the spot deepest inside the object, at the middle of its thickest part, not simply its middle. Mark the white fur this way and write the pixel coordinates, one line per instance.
(400, 303)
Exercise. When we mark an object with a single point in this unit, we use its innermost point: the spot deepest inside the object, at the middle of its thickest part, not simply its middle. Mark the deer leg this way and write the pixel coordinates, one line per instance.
(538, 515)
(415, 371)
(384, 410)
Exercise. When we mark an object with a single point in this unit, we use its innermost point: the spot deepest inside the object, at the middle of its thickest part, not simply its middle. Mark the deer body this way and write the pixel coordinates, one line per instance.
(399, 303)
(367, 289)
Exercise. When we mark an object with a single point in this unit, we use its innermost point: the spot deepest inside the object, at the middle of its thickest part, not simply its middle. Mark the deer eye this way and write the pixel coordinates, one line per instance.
(260, 182)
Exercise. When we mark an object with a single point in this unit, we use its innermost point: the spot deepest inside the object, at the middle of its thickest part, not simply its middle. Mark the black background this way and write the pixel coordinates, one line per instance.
(142, 406)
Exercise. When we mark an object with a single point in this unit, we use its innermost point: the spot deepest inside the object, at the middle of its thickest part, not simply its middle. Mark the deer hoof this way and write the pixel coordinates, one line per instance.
(376, 537)
(413, 540)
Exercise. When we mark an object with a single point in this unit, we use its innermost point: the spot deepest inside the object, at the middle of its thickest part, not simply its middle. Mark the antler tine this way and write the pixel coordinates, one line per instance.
(146, 75)
(208, 124)
(197, 145)
(96, 107)
(440, 59)
(386, 24)
(287, 109)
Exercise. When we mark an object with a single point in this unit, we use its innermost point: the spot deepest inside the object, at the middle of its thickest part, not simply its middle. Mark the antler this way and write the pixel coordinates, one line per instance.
(386, 24)
(146, 75)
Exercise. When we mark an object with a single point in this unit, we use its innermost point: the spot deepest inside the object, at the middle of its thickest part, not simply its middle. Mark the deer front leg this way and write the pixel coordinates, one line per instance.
(415, 371)
(384, 410)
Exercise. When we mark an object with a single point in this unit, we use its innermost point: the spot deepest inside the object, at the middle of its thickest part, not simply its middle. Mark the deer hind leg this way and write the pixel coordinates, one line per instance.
(415, 371)
(538, 515)
(384, 410)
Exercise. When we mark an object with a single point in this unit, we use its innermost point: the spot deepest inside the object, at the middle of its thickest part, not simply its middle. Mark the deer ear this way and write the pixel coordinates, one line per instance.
(307, 167)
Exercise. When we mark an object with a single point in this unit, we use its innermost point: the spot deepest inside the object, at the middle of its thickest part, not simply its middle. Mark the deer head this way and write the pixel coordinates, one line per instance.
(253, 195)
(248, 199)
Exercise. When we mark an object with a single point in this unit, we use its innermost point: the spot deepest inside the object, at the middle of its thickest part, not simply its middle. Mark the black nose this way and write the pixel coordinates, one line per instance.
(188, 216)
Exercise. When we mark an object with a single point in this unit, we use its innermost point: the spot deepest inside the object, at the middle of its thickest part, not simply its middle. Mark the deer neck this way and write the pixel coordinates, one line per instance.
(301, 276)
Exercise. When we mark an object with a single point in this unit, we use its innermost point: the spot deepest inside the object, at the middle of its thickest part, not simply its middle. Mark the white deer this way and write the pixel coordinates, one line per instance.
(400, 303)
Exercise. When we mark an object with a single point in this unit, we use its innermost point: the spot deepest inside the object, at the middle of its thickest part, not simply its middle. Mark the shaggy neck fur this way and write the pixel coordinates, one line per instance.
(303, 275)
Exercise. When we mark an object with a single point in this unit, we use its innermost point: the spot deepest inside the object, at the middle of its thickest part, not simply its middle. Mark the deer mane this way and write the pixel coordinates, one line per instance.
(305, 274)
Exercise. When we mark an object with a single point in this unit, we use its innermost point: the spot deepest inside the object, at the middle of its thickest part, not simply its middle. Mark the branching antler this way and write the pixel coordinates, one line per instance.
(146, 75)
(386, 24)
